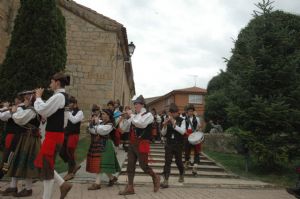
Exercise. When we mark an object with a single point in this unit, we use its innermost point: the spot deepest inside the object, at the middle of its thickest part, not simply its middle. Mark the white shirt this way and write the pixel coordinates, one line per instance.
(140, 120)
(101, 129)
(4, 116)
(75, 118)
(180, 129)
(55, 102)
(7, 114)
(22, 117)
(198, 123)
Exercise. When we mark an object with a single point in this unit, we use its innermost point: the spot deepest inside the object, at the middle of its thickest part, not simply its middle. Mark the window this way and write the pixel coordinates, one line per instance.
(195, 99)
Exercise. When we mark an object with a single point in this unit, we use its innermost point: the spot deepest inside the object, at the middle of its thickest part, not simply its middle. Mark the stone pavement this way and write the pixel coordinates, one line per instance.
(205, 186)
(80, 191)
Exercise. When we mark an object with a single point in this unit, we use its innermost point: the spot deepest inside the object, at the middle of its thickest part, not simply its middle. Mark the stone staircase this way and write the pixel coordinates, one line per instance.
(207, 168)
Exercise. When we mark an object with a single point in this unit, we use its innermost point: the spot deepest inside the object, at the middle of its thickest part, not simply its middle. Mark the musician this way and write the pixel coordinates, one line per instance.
(125, 133)
(192, 125)
(101, 155)
(12, 131)
(72, 131)
(117, 113)
(139, 148)
(156, 126)
(173, 129)
(53, 109)
(22, 165)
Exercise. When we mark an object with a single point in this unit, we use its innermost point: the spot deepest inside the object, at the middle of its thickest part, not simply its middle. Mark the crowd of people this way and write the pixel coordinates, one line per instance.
(29, 154)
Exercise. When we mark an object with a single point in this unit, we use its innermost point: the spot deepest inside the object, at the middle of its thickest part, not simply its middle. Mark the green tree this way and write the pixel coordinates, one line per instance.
(37, 49)
(264, 91)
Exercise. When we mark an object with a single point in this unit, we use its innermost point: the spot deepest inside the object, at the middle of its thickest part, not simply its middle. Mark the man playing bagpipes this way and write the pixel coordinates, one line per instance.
(72, 131)
(139, 148)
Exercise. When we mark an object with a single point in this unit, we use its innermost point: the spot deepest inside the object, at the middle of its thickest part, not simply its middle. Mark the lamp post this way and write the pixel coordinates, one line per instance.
(131, 48)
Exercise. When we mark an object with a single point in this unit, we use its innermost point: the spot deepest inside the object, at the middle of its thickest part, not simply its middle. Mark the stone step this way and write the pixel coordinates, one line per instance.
(173, 166)
(159, 160)
(175, 172)
(202, 182)
(155, 155)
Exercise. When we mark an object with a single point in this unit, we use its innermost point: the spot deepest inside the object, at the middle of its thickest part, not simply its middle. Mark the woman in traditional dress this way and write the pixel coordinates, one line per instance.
(101, 155)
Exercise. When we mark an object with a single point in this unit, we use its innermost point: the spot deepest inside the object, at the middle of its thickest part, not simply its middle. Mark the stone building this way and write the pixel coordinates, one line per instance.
(97, 49)
(181, 97)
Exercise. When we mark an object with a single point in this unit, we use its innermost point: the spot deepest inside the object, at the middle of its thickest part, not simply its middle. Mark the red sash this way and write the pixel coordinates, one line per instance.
(188, 132)
(48, 149)
(8, 140)
(72, 140)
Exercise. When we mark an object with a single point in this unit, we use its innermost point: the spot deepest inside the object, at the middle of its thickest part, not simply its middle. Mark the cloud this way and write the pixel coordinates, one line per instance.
(179, 38)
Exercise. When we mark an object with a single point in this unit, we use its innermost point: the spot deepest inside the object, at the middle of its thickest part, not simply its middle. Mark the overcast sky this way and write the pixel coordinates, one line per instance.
(177, 39)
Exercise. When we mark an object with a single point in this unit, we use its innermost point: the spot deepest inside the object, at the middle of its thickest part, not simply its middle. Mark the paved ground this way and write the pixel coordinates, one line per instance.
(80, 191)
(198, 188)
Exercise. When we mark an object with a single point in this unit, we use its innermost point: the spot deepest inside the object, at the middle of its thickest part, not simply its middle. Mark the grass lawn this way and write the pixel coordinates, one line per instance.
(80, 154)
(286, 176)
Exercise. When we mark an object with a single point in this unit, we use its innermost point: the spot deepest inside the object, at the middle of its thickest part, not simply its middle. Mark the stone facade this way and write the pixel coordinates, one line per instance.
(8, 10)
(97, 48)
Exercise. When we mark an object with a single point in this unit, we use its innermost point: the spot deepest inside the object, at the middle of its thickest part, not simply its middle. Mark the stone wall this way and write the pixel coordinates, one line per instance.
(91, 58)
(8, 10)
(219, 142)
(95, 57)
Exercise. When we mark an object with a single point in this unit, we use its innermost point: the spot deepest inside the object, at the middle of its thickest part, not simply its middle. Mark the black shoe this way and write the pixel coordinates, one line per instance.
(23, 193)
(112, 181)
(9, 191)
(294, 191)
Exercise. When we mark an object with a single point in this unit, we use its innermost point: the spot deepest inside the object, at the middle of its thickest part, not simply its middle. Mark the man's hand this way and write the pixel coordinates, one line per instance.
(6, 104)
(39, 92)
(26, 102)
(167, 120)
(14, 109)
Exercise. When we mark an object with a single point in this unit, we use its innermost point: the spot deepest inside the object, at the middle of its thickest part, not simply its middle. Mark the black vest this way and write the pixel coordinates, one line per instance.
(12, 127)
(144, 134)
(194, 122)
(172, 135)
(35, 121)
(55, 123)
(73, 128)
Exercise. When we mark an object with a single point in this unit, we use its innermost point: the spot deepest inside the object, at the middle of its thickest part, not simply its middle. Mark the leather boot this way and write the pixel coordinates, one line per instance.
(127, 191)
(64, 189)
(165, 184)
(156, 182)
(181, 178)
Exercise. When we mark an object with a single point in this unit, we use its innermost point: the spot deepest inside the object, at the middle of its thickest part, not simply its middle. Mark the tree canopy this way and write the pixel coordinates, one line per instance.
(37, 48)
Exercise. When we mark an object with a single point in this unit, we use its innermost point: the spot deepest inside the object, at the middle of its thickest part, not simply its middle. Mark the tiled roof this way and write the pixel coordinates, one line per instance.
(151, 99)
(191, 89)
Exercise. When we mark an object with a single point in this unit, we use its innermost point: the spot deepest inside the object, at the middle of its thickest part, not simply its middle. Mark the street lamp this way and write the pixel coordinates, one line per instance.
(131, 48)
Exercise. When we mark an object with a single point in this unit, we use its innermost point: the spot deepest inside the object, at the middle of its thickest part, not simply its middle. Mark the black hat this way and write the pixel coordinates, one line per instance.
(139, 100)
(173, 108)
(190, 107)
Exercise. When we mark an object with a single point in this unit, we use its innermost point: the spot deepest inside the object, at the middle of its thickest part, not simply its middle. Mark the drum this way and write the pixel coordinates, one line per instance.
(196, 138)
